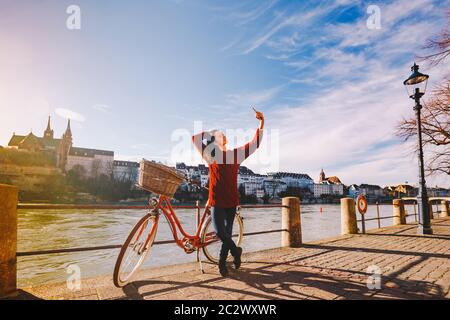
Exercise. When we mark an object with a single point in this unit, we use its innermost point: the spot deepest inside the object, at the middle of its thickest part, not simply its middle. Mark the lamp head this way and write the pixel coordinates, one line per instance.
(416, 84)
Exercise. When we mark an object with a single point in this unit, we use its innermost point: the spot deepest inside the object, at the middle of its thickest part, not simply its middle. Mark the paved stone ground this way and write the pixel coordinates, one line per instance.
(412, 267)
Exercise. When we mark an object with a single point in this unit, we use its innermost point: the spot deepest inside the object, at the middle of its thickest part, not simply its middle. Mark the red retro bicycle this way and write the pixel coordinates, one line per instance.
(164, 181)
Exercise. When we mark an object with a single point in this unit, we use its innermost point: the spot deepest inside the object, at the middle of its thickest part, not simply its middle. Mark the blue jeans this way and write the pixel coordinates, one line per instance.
(222, 219)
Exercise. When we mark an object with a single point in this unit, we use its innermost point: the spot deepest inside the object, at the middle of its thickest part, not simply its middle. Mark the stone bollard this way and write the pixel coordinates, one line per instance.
(290, 221)
(444, 209)
(348, 216)
(8, 240)
(398, 212)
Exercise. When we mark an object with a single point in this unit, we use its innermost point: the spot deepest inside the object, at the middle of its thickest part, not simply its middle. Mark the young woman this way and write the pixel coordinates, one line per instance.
(223, 191)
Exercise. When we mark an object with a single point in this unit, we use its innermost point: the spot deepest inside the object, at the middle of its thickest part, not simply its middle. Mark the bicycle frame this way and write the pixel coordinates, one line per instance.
(175, 225)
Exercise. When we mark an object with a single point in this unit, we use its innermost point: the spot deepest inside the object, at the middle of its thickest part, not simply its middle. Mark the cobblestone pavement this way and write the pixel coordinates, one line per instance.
(411, 266)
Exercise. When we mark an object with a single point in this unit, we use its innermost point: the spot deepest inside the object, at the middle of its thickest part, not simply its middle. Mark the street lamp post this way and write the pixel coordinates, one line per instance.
(416, 85)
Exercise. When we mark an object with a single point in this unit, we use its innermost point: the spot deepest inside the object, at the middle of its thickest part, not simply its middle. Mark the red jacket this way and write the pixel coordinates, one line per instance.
(224, 168)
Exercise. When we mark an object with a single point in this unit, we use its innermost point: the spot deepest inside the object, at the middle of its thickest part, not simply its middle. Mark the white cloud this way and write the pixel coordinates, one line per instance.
(230, 45)
(101, 107)
(70, 114)
(392, 14)
(252, 98)
(301, 20)
(245, 16)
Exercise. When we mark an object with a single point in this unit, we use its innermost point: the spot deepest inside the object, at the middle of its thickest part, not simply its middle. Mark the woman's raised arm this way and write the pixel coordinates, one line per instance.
(243, 152)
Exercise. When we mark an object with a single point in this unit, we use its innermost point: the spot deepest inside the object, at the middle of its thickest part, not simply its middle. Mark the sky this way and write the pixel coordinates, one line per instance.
(138, 77)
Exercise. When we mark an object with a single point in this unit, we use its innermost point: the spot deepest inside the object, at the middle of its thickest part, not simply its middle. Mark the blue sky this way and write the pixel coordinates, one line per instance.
(138, 71)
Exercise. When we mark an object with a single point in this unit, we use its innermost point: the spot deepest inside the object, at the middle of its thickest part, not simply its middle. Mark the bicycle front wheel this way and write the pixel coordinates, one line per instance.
(213, 243)
(135, 249)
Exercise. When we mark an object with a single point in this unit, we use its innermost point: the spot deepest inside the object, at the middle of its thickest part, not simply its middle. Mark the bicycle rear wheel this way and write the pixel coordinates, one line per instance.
(208, 236)
(135, 249)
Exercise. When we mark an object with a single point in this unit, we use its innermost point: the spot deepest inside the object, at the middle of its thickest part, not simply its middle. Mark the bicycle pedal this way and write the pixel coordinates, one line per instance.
(188, 246)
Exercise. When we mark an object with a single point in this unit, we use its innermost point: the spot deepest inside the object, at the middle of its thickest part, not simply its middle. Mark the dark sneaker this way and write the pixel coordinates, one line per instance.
(223, 269)
(237, 258)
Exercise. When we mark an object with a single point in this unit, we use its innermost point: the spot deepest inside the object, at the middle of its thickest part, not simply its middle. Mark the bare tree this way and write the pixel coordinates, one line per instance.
(438, 46)
(96, 167)
(435, 129)
(110, 170)
(131, 174)
(435, 112)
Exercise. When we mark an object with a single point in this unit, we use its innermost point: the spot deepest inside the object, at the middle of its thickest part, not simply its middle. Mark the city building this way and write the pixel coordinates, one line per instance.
(353, 191)
(254, 188)
(296, 180)
(438, 192)
(59, 148)
(401, 190)
(204, 175)
(126, 170)
(252, 183)
(94, 161)
(192, 173)
(371, 191)
(328, 186)
(331, 180)
(260, 193)
(273, 187)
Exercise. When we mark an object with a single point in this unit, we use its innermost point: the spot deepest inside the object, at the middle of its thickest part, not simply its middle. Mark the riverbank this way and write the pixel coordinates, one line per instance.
(411, 266)
(45, 229)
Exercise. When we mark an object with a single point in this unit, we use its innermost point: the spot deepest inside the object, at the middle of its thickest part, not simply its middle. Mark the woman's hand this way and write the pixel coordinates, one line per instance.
(260, 117)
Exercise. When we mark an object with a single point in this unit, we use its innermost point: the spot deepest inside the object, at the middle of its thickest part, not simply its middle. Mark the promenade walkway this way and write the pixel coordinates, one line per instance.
(412, 266)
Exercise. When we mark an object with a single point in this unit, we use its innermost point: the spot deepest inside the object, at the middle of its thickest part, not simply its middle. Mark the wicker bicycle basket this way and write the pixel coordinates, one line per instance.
(158, 178)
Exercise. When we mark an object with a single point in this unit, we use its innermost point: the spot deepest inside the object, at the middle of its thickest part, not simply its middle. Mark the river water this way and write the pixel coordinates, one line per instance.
(51, 229)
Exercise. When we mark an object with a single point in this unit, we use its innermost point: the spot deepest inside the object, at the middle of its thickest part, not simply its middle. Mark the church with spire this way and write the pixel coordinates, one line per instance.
(329, 180)
(66, 155)
(328, 186)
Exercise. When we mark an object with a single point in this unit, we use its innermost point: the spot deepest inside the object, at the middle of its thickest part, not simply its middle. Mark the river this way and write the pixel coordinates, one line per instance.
(51, 229)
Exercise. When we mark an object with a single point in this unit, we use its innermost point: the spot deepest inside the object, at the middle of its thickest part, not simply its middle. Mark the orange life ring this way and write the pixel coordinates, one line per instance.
(361, 202)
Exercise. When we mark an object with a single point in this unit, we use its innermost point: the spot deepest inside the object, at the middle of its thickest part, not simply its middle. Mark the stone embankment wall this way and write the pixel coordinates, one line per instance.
(27, 178)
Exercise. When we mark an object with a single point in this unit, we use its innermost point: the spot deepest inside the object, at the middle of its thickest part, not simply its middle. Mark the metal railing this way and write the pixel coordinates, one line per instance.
(197, 207)
(407, 201)
(431, 200)
(378, 218)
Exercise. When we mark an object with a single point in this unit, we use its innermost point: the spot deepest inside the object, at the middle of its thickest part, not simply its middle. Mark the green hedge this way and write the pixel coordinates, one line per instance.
(27, 158)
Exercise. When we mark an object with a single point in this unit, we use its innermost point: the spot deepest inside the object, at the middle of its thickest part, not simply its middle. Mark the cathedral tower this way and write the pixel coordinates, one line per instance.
(48, 133)
(322, 176)
(64, 147)
(68, 134)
